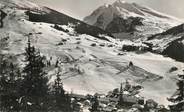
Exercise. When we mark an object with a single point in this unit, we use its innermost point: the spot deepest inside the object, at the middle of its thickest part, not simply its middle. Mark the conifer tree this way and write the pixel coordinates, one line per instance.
(8, 80)
(10, 86)
(178, 97)
(61, 99)
(34, 88)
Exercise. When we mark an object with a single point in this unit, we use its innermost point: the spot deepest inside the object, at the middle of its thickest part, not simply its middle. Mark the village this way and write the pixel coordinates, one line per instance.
(123, 99)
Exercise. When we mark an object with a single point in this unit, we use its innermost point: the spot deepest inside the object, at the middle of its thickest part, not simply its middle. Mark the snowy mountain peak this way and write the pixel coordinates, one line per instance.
(139, 10)
(129, 7)
(125, 19)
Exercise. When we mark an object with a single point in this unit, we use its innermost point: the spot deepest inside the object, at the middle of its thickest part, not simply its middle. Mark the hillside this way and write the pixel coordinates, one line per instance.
(90, 63)
(170, 42)
(53, 17)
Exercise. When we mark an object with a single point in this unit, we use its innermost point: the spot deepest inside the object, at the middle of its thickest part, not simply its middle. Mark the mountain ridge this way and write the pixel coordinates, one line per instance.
(170, 42)
(153, 21)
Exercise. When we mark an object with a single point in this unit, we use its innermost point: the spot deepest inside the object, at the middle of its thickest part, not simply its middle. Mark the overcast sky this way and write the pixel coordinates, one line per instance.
(81, 8)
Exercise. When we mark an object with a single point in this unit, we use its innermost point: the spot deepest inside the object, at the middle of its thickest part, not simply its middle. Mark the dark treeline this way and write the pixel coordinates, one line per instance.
(26, 89)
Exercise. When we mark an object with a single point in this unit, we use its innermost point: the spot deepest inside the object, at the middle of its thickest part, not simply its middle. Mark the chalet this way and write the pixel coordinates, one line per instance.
(127, 100)
(109, 109)
(77, 96)
(104, 100)
(133, 47)
(100, 95)
(150, 105)
(77, 107)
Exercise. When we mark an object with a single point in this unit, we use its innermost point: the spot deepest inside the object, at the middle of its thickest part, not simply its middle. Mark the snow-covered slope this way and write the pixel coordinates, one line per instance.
(152, 21)
(19, 4)
(170, 42)
(89, 64)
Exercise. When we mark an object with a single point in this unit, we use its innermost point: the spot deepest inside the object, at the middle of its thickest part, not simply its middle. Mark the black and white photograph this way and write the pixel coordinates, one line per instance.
(91, 55)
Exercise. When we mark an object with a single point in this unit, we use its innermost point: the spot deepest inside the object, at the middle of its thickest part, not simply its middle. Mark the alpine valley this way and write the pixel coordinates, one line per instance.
(96, 55)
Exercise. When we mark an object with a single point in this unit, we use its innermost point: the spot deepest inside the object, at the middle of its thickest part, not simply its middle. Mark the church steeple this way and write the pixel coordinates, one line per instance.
(120, 102)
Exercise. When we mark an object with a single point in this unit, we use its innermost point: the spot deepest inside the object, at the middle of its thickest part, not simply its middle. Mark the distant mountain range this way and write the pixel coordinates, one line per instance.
(130, 20)
(138, 23)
